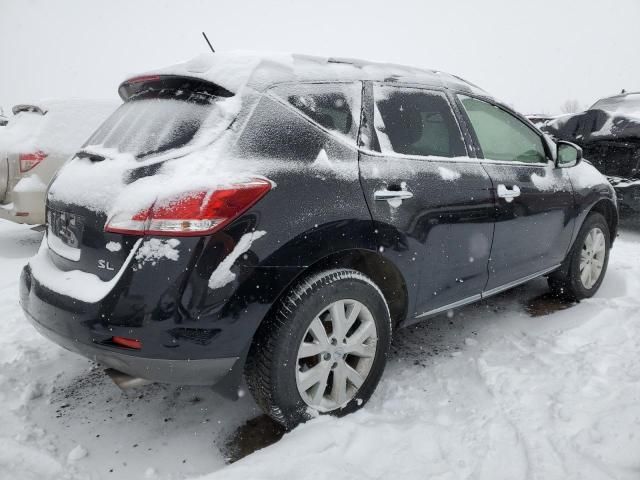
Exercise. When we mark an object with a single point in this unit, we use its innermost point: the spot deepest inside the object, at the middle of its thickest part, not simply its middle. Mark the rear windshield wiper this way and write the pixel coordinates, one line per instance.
(94, 157)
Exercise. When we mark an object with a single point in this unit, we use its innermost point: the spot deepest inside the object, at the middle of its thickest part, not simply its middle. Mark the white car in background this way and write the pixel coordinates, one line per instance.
(37, 141)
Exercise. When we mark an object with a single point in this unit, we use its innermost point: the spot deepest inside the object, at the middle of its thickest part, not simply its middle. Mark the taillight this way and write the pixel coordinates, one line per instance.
(127, 342)
(30, 160)
(200, 212)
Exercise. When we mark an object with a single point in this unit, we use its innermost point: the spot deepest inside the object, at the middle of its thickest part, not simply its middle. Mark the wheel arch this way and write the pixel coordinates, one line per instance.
(608, 210)
(379, 269)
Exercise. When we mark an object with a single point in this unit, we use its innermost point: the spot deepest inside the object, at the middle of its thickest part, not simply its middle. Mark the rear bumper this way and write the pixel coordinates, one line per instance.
(80, 328)
(184, 341)
(26, 207)
(185, 372)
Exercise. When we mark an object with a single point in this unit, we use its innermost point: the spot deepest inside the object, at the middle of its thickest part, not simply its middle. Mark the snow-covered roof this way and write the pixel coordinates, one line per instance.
(233, 70)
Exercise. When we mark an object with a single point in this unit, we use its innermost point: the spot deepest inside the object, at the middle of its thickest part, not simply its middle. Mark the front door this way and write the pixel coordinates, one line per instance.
(431, 204)
(534, 199)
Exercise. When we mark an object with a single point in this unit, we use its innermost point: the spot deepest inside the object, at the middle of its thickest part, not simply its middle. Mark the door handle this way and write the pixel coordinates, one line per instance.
(392, 194)
(508, 195)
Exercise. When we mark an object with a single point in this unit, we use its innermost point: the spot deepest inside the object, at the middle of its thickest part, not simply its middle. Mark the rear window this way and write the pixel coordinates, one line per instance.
(158, 116)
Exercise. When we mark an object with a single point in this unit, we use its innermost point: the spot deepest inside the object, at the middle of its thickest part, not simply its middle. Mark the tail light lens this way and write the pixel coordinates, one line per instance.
(127, 342)
(195, 213)
(30, 160)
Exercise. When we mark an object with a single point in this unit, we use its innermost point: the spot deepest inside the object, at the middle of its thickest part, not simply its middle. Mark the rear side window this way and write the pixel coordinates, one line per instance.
(501, 135)
(335, 106)
(412, 121)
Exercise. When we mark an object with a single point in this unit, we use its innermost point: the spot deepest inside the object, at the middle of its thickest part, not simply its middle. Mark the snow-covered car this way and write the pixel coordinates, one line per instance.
(609, 134)
(281, 216)
(35, 144)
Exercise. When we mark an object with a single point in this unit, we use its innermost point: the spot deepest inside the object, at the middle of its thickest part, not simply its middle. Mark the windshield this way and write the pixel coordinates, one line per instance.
(159, 117)
(625, 104)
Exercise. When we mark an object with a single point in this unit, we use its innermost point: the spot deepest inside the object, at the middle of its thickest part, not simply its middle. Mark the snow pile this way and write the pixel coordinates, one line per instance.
(78, 453)
(223, 275)
(585, 176)
(80, 285)
(113, 246)
(554, 180)
(62, 418)
(153, 250)
(30, 183)
(552, 397)
(487, 392)
(448, 175)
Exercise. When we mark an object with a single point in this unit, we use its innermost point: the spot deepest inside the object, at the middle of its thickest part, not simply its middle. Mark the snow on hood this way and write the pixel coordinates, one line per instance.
(64, 127)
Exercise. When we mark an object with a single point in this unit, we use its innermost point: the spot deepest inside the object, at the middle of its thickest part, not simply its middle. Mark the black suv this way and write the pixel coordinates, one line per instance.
(281, 217)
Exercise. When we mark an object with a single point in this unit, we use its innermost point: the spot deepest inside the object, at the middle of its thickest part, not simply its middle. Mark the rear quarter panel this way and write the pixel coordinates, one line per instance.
(316, 208)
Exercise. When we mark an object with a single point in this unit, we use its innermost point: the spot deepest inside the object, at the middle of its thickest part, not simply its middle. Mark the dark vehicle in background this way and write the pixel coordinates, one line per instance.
(370, 197)
(609, 134)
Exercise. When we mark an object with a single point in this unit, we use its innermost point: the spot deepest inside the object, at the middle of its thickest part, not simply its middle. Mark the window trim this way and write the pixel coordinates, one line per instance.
(369, 109)
(478, 148)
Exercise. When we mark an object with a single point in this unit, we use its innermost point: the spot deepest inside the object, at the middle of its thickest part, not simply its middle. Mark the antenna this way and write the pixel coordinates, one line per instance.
(208, 42)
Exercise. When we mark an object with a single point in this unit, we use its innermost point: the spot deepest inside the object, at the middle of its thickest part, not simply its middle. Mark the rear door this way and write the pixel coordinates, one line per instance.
(534, 200)
(430, 202)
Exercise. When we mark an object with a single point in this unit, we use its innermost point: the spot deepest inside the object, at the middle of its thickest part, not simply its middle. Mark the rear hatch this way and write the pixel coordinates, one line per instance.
(163, 120)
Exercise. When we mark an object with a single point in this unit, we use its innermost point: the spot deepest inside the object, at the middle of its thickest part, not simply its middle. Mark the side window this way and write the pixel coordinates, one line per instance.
(501, 135)
(334, 106)
(412, 121)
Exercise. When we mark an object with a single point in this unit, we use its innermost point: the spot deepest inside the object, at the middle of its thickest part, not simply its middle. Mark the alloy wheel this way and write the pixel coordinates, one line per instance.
(336, 355)
(592, 257)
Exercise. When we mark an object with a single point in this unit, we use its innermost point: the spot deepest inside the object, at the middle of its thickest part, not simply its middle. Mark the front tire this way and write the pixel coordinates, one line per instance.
(586, 264)
(324, 349)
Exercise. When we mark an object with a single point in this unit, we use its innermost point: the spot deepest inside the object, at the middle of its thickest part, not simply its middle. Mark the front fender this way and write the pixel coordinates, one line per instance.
(592, 191)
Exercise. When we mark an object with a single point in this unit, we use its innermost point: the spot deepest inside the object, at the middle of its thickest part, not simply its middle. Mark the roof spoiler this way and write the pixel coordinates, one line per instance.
(28, 108)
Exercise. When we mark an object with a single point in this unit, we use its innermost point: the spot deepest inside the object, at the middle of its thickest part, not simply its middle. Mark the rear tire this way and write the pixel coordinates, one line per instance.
(324, 349)
(584, 269)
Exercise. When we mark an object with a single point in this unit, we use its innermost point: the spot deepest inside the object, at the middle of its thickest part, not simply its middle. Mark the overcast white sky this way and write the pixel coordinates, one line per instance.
(531, 54)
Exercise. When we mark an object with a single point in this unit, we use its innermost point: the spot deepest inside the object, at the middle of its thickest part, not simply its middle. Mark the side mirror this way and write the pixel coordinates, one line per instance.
(569, 154)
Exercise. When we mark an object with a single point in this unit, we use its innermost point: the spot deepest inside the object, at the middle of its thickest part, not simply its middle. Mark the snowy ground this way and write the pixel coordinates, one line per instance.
(515, 387)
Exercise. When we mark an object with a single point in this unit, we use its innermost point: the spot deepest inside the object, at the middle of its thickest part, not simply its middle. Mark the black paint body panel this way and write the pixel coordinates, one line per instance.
(452, 240)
